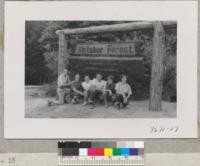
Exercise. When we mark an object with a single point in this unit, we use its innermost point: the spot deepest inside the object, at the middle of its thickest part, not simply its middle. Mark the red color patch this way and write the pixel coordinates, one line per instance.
(99, 152)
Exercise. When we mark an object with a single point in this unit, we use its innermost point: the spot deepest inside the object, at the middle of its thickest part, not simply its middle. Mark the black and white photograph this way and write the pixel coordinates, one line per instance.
(90, 68)
(101, 69)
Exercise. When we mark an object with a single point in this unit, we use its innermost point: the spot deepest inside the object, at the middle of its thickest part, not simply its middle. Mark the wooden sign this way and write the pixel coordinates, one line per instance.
(125, 48)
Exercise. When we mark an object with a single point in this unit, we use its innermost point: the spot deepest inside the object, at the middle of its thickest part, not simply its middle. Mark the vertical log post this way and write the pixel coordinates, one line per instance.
(156, 85)
(61, 52)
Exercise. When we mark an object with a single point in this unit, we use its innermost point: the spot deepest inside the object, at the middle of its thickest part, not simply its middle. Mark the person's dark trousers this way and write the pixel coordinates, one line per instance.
(120, 99)
(107, 97)
(94, 94)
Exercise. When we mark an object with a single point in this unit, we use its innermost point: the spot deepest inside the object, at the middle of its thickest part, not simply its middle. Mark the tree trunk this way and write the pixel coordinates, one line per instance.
(156, 86)
(61, 52)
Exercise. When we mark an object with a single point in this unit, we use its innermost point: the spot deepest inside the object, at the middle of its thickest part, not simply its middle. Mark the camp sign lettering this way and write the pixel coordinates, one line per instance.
(126, 49)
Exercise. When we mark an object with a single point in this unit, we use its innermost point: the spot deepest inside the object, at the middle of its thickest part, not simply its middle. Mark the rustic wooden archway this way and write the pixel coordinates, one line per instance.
(155, 103)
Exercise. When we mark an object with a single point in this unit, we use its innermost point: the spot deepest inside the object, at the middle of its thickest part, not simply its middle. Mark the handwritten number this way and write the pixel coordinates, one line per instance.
(162, 129)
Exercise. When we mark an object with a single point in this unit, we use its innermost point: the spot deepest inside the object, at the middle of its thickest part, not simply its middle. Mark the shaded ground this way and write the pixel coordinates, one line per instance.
(36, 107)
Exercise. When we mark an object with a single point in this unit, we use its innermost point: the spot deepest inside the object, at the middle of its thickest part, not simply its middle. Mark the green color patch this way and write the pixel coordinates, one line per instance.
(116, 151)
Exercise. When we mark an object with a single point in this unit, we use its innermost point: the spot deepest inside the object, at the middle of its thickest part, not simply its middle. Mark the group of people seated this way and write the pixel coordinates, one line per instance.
(93, 90)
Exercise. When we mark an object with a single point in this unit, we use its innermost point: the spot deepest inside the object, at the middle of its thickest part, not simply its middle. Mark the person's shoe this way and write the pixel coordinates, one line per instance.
(117, 104)
(85, 103)
(49, 103)
(106, 105)
(73, 101)
(77, 101)
(121, 105)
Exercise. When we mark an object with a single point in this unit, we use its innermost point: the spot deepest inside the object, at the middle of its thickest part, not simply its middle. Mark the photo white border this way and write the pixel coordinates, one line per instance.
(17, 126)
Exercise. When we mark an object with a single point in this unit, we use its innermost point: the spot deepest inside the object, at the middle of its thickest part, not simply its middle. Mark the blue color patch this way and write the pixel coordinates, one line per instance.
(125, 151)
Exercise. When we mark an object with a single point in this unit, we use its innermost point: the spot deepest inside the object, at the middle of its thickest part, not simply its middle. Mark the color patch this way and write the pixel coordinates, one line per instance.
(116, 151)
(91, 152)
(125, 152)
(70, 151)
(139, 144)
(85, 145)
(141, 151)
(99, 152)
(134, 152)
(83, 152)
(108, 152)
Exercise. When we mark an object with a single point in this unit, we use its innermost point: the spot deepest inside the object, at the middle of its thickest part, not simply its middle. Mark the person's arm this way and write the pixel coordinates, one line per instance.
(75, 90)
(129, 93)
(82, 84)
(117, 88)
(69, 83)
(105, 88)
(127, 97)
(63, 84)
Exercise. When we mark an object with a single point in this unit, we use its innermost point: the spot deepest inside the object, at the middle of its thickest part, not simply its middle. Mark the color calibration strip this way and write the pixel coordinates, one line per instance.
(101, 153)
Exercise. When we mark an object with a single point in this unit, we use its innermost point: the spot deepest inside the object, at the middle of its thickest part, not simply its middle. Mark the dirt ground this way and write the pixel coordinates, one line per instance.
(36, 107)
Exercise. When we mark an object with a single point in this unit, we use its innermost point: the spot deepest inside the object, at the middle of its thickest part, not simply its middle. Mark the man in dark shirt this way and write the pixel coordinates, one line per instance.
(109, 91)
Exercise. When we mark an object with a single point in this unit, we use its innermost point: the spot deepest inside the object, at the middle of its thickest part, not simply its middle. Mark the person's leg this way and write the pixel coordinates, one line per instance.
(113, 98)
(61, 96)
(67, 95)
(125, 103)
(99, 96)
(119, 100)
(105, 97)
(75, 98)
(85, 97)
(92, 94)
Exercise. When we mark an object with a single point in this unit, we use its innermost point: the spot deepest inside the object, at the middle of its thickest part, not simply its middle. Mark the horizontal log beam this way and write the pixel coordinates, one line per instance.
(107, 58)
(116, 27)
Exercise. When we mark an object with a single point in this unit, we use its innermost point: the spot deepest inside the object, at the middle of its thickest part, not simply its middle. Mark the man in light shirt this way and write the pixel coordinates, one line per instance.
(64, 84)
(96, 89)
(123, 91)
(86, 88)
(63, 88)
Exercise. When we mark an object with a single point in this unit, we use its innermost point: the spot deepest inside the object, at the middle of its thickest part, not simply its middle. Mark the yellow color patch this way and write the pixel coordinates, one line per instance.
(108, 152)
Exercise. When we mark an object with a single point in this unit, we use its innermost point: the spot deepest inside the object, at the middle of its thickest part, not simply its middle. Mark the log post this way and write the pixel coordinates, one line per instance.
(156, 85)
(61, 52)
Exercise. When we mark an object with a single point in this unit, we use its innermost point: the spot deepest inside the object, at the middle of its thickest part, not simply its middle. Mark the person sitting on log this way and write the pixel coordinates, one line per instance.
(123, 92)
(96, 89)
(109, 91)
(86, 88)
(77, 90)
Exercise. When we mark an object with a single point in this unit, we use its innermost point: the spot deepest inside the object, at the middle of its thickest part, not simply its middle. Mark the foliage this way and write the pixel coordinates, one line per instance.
(34, 60)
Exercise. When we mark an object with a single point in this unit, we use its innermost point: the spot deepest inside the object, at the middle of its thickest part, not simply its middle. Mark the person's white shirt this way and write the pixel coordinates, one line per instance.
(63, 80)
(86, 85)
(123, 88)
(99, 85)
